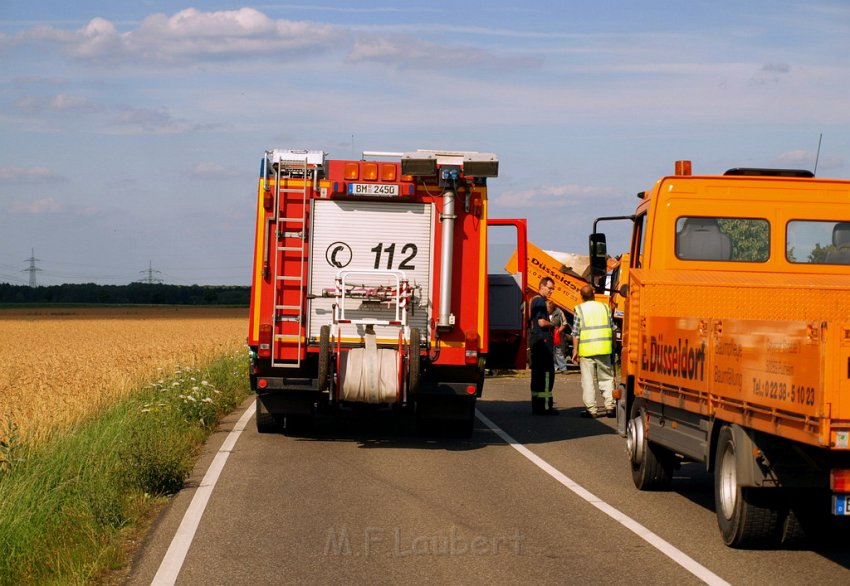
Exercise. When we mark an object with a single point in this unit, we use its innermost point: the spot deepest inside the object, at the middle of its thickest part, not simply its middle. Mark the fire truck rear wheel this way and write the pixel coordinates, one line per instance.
(324, 369)
(748, 517)
(266, 422)
(414, 362)
(652, 465)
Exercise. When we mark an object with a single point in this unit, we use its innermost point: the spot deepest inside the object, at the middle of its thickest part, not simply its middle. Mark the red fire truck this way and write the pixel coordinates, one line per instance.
(370, 287)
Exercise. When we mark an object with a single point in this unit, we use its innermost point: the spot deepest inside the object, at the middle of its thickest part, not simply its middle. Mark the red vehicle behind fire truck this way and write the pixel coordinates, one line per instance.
(370, 287)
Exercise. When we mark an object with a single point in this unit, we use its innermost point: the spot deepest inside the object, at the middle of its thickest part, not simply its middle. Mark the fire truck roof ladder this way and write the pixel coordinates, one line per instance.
(290, 220)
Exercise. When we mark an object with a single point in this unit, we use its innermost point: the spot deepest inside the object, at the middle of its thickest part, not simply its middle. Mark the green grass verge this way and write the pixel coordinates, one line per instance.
(68, 505)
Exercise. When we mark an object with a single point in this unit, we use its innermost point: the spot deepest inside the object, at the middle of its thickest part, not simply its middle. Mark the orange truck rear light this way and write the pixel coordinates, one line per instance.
(264, 349)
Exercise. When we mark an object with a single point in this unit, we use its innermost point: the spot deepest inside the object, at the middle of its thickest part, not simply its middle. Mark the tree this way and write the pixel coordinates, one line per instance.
(818, 253)
(750, 238)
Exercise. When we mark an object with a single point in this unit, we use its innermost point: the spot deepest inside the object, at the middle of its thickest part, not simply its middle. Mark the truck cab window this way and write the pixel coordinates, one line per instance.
(722, 239)
(817, 242)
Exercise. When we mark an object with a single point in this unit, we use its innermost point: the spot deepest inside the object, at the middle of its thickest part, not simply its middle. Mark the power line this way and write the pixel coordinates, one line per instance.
(32, 268)
(150, 279)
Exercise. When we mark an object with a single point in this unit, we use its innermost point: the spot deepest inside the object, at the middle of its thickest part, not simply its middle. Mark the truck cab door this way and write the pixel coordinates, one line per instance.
(507, 330)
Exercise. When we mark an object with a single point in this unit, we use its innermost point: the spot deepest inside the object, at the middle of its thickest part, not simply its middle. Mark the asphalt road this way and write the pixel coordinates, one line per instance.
(541, 500)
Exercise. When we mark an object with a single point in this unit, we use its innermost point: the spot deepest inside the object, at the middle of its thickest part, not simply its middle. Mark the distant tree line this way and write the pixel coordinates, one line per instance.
(135, 293)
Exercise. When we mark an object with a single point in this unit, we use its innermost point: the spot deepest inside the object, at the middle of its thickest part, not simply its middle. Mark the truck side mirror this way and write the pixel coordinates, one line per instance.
(598, 261)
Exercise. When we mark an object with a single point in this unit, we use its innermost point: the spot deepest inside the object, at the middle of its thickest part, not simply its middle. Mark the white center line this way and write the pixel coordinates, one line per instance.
(172, 563)
(654, 540)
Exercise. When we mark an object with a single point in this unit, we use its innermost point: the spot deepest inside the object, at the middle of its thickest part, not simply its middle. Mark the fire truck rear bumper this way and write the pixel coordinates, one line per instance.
(291, 401)
(443, 389)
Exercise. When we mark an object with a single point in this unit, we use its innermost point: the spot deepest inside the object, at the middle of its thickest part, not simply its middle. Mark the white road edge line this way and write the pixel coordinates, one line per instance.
(172, 563)
(654, 540)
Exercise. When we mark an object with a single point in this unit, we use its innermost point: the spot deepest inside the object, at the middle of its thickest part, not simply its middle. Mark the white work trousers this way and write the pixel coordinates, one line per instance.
(597, 370)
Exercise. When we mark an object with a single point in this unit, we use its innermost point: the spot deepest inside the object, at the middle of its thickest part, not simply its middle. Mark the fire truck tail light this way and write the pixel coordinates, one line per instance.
(471, 390)
(264, 349)
(370, 171)
(839, 480)
(268, 200)
(352, 171)
(262, 383)
(471, 347)
(683, 167)
(388, 172)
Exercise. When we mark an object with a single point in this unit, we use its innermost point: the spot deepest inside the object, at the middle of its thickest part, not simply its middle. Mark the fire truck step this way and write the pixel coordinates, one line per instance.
(294, 307)
(287, 278)
(289, 318)
(286, 337)
(280, 364)
(291, 248)
(292, 220)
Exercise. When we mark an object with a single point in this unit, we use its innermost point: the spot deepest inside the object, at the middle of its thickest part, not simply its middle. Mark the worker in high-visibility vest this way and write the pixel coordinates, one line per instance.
(541, 342)
(593, 343)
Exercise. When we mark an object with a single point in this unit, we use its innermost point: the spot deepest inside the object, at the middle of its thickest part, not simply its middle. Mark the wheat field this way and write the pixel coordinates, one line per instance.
(58, 365)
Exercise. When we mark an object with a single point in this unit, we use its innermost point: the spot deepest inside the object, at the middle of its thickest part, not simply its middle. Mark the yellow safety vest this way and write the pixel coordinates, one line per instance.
(596, 337)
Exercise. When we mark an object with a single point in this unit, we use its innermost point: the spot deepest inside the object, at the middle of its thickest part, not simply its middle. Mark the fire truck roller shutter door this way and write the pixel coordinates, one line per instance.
(380, 235)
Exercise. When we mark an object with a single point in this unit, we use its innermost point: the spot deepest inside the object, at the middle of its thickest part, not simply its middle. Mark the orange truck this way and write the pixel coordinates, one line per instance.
(736, 346)
(370, 287)
(568, 281)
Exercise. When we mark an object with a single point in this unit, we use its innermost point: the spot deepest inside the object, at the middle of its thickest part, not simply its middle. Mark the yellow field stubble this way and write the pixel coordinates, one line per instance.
(58, 366)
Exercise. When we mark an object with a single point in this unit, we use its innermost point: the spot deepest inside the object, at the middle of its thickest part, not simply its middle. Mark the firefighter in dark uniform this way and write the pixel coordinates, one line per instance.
(541, 342)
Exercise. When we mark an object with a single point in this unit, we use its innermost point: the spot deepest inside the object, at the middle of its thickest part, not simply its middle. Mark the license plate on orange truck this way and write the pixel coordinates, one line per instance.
(841, 504)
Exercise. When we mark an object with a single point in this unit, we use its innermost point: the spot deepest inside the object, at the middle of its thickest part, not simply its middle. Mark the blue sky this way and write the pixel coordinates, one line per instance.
(131, 133)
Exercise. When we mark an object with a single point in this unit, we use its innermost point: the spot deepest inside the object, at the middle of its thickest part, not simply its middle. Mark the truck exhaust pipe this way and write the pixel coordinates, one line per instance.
(446, 320)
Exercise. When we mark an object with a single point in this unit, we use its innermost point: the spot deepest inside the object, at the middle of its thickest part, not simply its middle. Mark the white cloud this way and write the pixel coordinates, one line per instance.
(553, 196)
(214, 171)
(190, 35)
(246, 33)
(151, 121)
(413, 53)
(45, 205)
(797, 157)
(28, 80)
(27, 175)
(802, 159)
(776, 68)
(59, 103)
